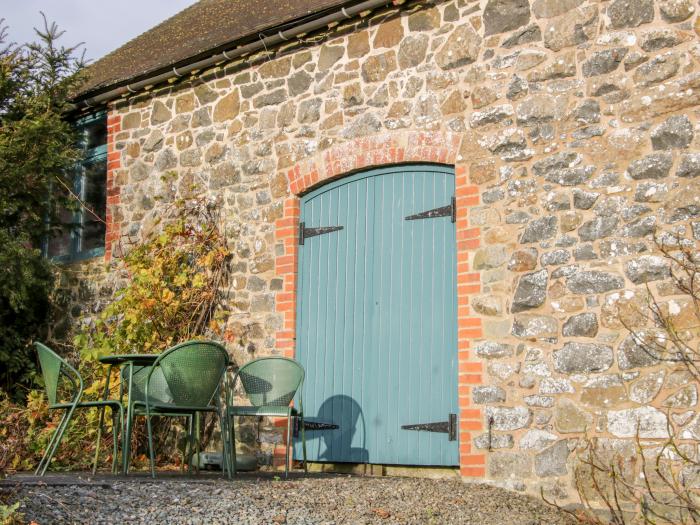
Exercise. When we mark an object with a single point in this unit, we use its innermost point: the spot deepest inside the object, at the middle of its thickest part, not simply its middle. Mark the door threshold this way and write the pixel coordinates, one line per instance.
(404, 471)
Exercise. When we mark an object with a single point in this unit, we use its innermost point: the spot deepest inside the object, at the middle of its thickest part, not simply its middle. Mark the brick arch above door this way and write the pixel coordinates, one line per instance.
(385, 149)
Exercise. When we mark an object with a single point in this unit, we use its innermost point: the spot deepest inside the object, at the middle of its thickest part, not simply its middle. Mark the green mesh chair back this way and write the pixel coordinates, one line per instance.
(271, 381)
(192, 371)
(158, 389)
(53, 368)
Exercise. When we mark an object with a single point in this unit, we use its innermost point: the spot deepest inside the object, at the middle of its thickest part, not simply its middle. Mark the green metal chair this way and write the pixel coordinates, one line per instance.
(136, 376)
(184, 381)
(54, 368)
(270, 384)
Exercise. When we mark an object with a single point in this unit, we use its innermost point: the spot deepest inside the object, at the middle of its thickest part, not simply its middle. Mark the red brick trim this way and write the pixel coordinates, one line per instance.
(381, 150)
(113, 230)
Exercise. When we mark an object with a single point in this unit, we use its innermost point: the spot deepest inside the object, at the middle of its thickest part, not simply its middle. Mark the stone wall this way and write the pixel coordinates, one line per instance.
(573, 124)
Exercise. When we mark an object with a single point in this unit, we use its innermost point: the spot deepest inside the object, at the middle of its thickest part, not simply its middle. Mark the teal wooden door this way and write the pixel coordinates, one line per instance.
(377, 317)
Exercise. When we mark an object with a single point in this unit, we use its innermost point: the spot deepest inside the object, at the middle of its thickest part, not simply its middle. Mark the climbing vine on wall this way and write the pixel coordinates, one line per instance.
(175, 281)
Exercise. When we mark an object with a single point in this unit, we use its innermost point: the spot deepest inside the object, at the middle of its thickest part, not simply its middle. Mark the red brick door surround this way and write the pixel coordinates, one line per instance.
(392, 148)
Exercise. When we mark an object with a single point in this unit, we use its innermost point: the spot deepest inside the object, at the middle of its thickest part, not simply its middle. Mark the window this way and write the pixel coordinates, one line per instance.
(83, 230)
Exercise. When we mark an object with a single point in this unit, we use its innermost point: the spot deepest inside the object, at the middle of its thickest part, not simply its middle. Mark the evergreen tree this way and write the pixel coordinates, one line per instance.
(37, 152)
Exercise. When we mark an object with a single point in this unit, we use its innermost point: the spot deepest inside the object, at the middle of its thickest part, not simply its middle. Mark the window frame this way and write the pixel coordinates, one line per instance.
(91, 156)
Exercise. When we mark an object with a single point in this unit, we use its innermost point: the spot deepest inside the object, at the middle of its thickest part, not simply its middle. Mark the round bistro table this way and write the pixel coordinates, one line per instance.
(128, 360)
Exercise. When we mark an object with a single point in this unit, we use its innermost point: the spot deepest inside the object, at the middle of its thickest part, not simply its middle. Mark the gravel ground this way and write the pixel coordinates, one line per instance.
(325, 499)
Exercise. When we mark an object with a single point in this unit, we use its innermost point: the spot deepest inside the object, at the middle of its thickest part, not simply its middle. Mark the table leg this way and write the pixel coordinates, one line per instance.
(129, 421)
(105, 394)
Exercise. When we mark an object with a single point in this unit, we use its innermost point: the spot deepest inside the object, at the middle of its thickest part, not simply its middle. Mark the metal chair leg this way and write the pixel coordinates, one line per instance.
(289, 438)
(99, 437)
(117, 417)
(232, 443)
(226, 460)
(45, 458)
(190, 443)
(303, 442)
(54, 445)
(102, 420)
(197, 433)
(130, 420)
(126, 447)
(151, 453)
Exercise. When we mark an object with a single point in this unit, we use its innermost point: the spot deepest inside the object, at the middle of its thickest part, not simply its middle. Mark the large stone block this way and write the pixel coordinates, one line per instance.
(505, 15)
(539, 229)
(482, 395)
(606, 391)
(674, 133)
(523, 260)
(640, 349)
(572, 28)
(648, 268)
(492, 115)
(412, 51)
(689, 166)
(676, 10)
(657, 70)
(159, 113)
(424, 19)
(329, 55)
(510, 465)
(686, 397)
(538, 109)
(228, 107)
(644, 390)
(603, 62)
(582, 358)
(529, 326)
(493, 441)
(552, 385)
(490, 257)
(581, 325)
(653, 166)
(494, 350)
(299, 83)
(563, 168)
(525, 35)
(591, 282)
(552, 461)
(389, 33)
(569, 418)
(377, 67)
(659, 39)
(507, 419)
(630, 13)
(643, 422)
(550, 8)
(531, 291)
(461, 48)
(537, 439)
(598, 228)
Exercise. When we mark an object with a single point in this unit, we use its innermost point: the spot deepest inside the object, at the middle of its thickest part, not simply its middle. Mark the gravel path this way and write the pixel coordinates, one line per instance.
(326, 499)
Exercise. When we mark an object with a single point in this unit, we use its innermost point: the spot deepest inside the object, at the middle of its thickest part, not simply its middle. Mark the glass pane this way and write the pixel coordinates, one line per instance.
(95, 198)
(60, 238)
(95, 133)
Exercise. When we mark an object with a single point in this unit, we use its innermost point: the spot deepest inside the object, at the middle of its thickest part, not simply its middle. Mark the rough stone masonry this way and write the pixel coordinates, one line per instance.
(576, 123)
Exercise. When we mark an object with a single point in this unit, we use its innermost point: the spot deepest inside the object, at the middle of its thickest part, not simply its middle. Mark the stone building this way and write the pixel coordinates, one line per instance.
(549, 140)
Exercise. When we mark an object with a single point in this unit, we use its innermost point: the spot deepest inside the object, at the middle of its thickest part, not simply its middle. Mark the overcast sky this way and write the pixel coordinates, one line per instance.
(102, 26)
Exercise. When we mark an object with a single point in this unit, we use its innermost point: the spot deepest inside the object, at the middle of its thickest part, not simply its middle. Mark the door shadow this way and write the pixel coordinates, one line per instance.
(347, 442)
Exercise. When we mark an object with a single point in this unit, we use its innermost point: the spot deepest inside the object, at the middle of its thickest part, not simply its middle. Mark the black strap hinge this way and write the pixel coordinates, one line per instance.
(443, 211)
(448, 427)
(312, 425)
(305, 233)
